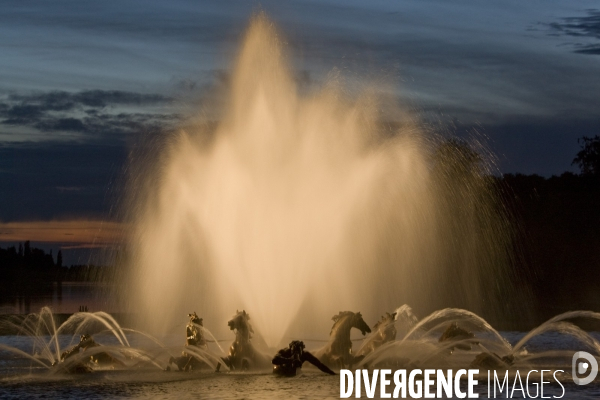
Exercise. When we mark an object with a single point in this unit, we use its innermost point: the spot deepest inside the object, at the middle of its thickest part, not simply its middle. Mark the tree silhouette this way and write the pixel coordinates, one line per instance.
(27, 249)
(588, 158)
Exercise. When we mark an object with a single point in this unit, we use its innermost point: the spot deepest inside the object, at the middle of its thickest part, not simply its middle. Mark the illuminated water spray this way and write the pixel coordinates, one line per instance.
(296, 207)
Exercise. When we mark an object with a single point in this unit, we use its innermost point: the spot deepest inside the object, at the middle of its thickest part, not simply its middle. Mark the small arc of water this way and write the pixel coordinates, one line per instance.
(86, 316)
(147, 335)
(204, 356)
(136, 353)
(115, 324)
(22, 353)
(405, 311)
(25, 328)
(527, 362)
(212, 336)
(57, 346)
(375, 354)
(460, 313)
(561, 327)
(31, 326)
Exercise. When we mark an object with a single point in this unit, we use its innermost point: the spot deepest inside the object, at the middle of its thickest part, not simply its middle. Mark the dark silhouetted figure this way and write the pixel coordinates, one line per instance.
(288, 360)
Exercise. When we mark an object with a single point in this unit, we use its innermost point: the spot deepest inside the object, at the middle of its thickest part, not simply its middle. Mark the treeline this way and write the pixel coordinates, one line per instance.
(26, 270)
(552, 260)
(557, 249)
(88, 273)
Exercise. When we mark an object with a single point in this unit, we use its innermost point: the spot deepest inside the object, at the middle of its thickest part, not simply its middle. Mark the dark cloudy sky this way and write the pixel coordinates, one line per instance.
(80, 81)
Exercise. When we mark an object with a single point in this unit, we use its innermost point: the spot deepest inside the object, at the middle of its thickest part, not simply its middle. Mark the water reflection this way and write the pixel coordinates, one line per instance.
(65, 297)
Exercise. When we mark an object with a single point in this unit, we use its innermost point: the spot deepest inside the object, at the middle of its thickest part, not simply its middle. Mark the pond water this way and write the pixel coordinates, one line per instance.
(20, 378)
(64, 298)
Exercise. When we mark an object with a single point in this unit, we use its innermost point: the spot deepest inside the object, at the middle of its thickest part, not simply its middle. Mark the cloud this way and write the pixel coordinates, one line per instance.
(62, 124)
(96, 113)
(588, 50)
(585, 27)
(62, 100)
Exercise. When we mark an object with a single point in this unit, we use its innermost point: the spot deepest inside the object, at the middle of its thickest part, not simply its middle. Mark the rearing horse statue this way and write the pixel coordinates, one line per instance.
(384, 331)
(242, 355)
(339, 349)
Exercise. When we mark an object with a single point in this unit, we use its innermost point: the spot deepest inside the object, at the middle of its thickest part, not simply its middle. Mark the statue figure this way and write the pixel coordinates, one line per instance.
(384, 331)
(455, 333)
(287, 360)
(87, 342)
(492, 361)
(193, 337)
(339, 349)
(242, 354)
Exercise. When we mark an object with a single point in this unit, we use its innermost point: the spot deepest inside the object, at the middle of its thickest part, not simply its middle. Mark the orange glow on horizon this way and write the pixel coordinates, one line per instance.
(73, 233)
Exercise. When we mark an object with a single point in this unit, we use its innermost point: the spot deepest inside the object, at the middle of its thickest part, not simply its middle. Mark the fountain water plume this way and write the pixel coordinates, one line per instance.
(294, 206)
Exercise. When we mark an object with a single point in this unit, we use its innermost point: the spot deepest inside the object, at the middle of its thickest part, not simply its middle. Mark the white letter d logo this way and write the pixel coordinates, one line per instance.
(580, 367)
